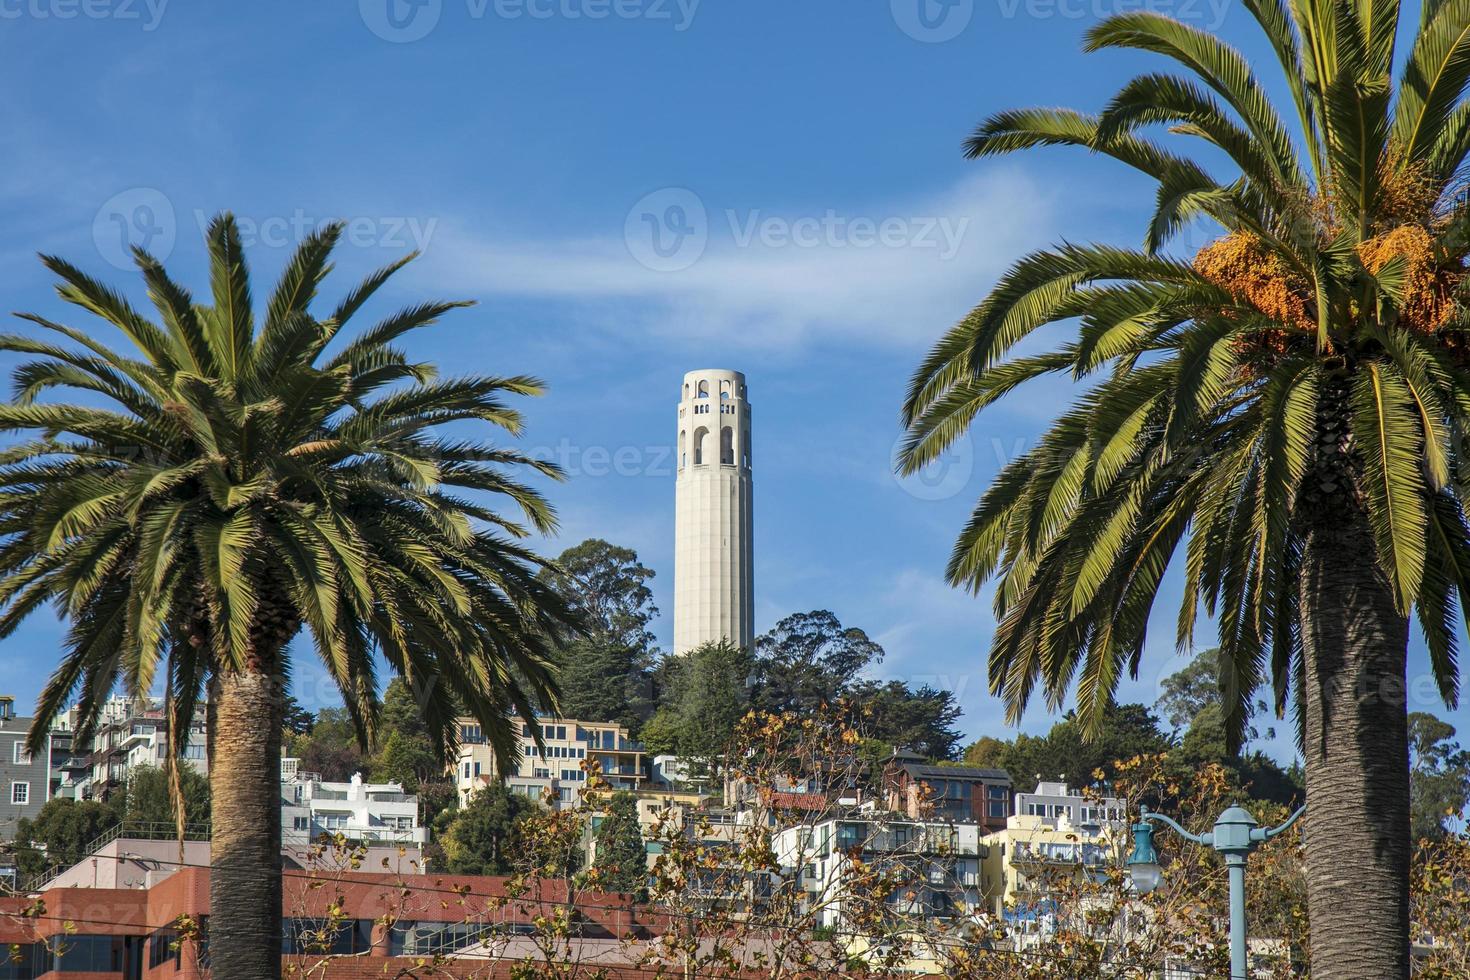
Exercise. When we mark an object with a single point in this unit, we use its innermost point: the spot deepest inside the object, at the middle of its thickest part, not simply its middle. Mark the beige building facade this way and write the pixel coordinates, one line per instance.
(552, 769)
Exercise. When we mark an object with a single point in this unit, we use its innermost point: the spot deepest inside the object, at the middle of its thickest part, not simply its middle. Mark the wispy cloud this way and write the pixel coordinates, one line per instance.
(698, 268)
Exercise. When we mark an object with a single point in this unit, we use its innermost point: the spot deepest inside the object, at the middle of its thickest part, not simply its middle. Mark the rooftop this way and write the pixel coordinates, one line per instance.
(953, 772)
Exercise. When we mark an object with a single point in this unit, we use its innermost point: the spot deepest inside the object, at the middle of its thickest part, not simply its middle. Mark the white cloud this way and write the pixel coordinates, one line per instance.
(882, 273)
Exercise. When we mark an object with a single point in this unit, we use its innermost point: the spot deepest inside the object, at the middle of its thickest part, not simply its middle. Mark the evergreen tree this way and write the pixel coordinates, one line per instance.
(898, 717)
(330, 748)
(407, 760)
(58, 836)
(146, 798)
(1439, 784)
(621, 861)
(481, 837)
(605, 673)
(705, 693)
(810, 659)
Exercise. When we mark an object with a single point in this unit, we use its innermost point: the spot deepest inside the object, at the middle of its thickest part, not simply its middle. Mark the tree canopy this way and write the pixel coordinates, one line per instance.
(605, 673)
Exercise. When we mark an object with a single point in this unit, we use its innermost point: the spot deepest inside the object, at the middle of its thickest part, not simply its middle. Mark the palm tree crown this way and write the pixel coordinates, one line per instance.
(219, 484)
(1327, 316)
(1289, 404)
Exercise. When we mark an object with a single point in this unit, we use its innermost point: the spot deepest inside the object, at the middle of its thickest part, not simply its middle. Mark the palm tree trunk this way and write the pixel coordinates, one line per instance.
(1356, 744)
(245, 857)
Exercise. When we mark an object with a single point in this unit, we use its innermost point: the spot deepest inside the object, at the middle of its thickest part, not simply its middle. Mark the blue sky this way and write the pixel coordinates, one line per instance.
(798, 162)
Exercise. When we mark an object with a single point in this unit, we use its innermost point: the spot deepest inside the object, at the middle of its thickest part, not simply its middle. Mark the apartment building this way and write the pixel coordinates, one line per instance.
(25, 777)
(1055, 800)
(554, 767)
(918, 789)
(133, 732)
(1054, 834)
(943, 862)
(371, 813)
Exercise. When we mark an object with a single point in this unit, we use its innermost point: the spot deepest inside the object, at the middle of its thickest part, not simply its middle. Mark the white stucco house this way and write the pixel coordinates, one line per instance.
(373, 813)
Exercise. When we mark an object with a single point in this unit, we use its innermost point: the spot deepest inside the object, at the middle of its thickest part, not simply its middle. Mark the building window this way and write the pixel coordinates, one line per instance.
(87, 954)
(700, 435)
(163, 945)
(194, 751)
(997, 808)
(19, 754)
(429, 938)
(326, 937)
(334, 821)
(300, 823)
(20, 793)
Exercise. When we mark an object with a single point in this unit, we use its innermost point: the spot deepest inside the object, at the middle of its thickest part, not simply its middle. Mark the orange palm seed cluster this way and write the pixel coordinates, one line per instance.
(1428, 302)
(1242, 265)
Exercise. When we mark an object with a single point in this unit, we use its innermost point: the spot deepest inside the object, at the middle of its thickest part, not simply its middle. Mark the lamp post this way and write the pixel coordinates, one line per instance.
(1235, 836)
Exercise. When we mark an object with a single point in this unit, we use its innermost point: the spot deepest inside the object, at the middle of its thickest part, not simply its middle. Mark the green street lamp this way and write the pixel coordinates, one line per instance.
(1235, 836)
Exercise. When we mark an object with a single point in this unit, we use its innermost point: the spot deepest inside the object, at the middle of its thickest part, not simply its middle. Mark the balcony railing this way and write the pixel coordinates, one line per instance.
(126, 831)
(1090, 855)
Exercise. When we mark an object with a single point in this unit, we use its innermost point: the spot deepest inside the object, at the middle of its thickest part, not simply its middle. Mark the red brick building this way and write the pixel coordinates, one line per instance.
(342, 925)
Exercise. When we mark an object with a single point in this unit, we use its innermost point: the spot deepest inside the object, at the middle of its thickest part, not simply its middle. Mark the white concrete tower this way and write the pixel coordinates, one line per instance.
(714, 597)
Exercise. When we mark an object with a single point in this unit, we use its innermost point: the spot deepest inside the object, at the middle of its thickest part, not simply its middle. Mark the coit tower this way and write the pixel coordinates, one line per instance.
(713, 576)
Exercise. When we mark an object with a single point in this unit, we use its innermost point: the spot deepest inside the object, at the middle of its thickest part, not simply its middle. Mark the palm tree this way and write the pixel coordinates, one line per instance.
(217, 485)
(1289, 404)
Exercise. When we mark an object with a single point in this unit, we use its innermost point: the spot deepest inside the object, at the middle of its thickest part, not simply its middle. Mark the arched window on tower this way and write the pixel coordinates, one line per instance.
(683, 449)
(686, 392)
(745, 448)
(699, 436)
(703, 389)
(727, 446)
(724, 391)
